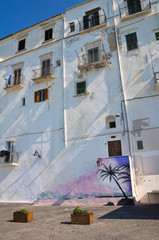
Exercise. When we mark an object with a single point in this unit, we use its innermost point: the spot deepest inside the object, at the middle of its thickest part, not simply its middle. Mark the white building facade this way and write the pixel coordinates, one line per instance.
(138, 47)
(75, 88)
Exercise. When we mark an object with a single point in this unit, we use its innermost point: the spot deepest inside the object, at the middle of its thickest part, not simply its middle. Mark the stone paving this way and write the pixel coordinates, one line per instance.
(53, 222)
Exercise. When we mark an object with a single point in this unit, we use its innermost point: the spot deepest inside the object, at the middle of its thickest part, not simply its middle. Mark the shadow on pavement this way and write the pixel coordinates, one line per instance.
(66, 223)
(134, 212)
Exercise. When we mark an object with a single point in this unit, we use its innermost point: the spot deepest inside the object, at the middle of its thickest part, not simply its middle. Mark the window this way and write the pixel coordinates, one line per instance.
(10, 146)
(91, 19)
(93, 55)
(140, 145)
(58, 63)
(157, 36)
(134, 6)
(17, 76)
(131, 40)
(45, 68)
(110, 122)
(48, 34)
(21, 45)
(23, 101)
(72, 27)
(41, 95)
(81, 87)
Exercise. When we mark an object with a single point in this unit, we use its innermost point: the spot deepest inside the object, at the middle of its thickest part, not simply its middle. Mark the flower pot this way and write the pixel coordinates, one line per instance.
(82, 218)
(22, 217)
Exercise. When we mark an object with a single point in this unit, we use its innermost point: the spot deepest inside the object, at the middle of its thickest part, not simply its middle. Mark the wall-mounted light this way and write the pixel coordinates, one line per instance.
(117, 115)
(37, 154)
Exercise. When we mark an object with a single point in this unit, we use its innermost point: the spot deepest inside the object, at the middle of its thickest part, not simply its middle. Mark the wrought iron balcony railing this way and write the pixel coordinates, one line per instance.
(131, 7)
(44, 73)
(14, 82)
(89, 22)
(94, 60)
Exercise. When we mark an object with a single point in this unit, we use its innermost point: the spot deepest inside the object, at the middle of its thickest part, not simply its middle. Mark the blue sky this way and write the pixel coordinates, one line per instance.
(16, 15)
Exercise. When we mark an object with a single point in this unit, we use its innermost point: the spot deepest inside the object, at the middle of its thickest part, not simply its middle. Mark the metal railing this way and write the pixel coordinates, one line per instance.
(126, 9)
(91, 22)
(43, 72)
(10, 157)
(13, 81)
(88, 59)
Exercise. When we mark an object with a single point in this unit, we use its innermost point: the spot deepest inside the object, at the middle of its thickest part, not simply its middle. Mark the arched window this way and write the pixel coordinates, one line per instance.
(110, 121)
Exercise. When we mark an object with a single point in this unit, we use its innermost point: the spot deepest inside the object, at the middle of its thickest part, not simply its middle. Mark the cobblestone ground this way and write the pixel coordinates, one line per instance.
(110, 223)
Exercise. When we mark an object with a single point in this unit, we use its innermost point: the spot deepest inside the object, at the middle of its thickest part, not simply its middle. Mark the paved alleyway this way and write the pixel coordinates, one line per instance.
(110, 223)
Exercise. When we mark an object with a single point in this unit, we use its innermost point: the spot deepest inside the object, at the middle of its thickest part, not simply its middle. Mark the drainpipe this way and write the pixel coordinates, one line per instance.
(63, 77)
(126, 112)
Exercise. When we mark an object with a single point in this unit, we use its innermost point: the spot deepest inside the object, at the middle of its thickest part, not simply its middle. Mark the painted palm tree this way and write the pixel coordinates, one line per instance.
(112, 173)
(124, 172)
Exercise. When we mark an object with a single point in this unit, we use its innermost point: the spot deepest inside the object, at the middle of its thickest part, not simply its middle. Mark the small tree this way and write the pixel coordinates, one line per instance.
(112, 174)
(124, 173)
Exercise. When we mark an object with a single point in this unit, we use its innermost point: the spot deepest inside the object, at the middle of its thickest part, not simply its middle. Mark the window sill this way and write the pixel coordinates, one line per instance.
(44, 78)
(93, 28)
(50, 40)
(134, 15)
(11, 88)
(46, 100)
(8, 164)
(135, 49)
(23, 50)
(82, 94)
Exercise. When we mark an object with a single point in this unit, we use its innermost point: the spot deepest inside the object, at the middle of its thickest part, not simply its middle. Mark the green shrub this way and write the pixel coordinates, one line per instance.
(22, 211)
(78, 210)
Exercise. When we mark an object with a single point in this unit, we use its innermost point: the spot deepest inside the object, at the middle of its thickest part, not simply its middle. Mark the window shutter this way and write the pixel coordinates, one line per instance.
(85, 22)
(36, 96)
(46, 93)
(15, 77)
(96, 18)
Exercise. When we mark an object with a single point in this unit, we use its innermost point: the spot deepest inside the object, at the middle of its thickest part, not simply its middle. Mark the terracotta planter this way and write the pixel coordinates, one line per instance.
(82, 219)
(22, 217)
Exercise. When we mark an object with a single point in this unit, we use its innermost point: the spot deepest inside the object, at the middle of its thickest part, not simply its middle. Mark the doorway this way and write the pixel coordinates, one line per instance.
(114, 148)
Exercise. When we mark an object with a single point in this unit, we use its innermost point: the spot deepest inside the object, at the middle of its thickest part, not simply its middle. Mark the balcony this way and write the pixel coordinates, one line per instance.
(8, 158)
(133, 8)
(43, 74)
(92, 61)
(13, 83)
(156, 80)
(92, 22)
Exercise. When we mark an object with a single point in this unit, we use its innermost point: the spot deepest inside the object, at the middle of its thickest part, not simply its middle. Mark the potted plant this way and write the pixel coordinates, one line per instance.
(80, 216)
(22, 215)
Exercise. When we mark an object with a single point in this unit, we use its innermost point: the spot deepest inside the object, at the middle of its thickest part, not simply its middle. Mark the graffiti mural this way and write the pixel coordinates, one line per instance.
(109, 181)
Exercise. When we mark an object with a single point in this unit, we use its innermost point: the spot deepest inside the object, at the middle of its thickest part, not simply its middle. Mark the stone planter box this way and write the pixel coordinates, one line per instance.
(82, 219)
(22, 217)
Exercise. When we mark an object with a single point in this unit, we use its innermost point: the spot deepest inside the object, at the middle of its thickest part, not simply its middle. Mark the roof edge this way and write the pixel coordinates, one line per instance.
(12, 34)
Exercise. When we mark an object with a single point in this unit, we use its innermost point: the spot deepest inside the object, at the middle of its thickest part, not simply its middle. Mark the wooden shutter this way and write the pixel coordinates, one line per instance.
(46, 93)
(114, 148)
(36, 96)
